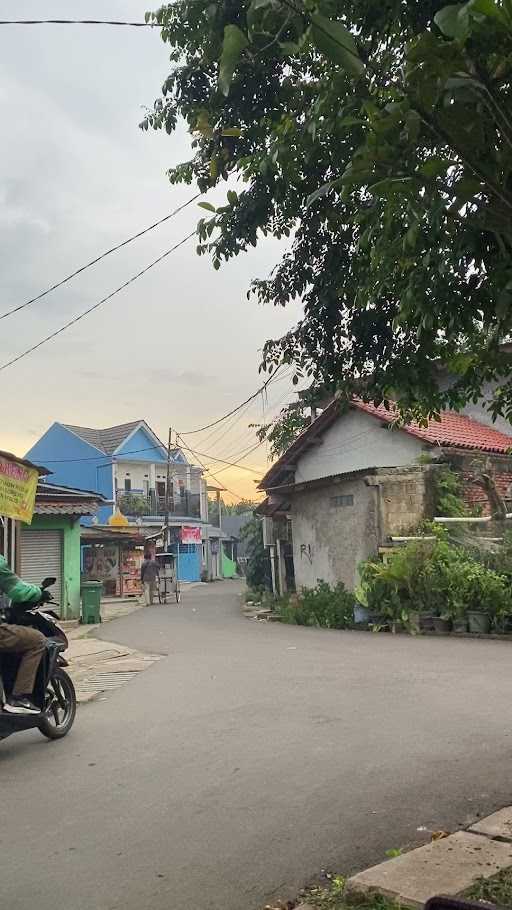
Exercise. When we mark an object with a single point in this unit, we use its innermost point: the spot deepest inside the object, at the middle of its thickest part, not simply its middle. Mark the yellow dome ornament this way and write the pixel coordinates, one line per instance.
(118, 520)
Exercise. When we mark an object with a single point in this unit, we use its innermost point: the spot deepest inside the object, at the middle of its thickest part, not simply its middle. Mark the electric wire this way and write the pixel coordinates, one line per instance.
(96, 306)
(88, 265)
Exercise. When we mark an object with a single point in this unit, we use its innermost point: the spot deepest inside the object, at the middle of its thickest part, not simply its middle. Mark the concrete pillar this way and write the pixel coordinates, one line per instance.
(152, 476)
(280, 568)
(272, 553)
(203, 499)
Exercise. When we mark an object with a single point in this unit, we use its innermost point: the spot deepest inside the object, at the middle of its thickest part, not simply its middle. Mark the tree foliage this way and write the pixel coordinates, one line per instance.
(284, 428)
(258, 572)
(235, 508)
(377, 135)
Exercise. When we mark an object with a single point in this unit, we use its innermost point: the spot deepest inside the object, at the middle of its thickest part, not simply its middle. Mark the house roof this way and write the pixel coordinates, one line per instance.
(53, 499)
(108, 439)
(452, 430)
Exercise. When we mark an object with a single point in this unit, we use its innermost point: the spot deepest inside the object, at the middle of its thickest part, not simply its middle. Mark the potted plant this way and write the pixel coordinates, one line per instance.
(479, 622)
(487, 593)
(460, 624)
(426, 622)
(442, 624)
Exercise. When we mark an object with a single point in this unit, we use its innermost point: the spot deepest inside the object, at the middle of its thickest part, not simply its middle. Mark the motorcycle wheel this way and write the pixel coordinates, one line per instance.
(60, 714)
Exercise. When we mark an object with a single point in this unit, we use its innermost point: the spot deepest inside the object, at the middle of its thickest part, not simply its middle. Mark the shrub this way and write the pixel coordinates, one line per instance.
(133, 504)
(432, 577)
(331, 608)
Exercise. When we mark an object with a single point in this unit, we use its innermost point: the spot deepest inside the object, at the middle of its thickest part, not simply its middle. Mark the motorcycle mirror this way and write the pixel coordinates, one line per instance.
(48, 582)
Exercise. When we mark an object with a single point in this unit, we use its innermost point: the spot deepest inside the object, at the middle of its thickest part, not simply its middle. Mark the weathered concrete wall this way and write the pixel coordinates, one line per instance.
(330, 540)
(333, 534)
(406, 498)
(356, 441)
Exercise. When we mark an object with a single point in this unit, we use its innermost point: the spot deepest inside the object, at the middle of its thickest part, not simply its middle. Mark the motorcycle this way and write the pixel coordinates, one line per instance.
(54, 692)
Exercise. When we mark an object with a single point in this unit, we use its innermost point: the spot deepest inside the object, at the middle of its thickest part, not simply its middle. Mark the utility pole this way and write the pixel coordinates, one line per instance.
(219, 509)
(168, 493)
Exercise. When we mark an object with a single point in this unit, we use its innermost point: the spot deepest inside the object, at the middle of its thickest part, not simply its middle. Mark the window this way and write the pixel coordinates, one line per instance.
(340, 501)
(160, 488)
(127, 484)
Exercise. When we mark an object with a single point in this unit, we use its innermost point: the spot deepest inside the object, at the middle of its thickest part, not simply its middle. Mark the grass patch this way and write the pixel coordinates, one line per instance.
(495, 890)
(334, 897)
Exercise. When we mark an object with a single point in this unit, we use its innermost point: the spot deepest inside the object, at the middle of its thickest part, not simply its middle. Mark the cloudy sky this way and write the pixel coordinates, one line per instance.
(181, 346)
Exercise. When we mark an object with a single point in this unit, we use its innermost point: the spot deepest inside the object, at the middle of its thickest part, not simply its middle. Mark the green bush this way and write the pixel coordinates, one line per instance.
(331, 608)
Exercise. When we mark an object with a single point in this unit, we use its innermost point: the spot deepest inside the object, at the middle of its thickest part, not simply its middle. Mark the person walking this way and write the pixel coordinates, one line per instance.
(149, 575)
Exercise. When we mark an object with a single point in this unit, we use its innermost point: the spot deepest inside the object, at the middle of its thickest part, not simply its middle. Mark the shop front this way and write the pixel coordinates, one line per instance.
(113, 557)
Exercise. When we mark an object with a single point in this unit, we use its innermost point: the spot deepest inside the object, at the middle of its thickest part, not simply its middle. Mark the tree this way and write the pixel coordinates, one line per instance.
(236, 508)
(284, 428)
(258, 572)
(379, 133)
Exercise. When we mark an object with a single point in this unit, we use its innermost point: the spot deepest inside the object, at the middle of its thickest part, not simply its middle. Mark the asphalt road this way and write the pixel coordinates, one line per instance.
(250, 758)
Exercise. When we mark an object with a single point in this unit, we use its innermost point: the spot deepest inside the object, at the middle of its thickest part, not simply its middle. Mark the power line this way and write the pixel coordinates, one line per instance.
(232, 492)
(91, 309)
(113, 249)
(234, 410)
(247, 436)
(230, 464)
(100, 457)
(80, 22)
(213, 438)
(151, 449)
(242, 455)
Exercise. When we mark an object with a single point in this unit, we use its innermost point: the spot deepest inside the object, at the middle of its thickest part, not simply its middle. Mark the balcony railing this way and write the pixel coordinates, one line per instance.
(137, 505)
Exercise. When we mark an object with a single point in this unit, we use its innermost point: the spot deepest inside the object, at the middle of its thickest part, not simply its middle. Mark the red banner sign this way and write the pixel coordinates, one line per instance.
(190, 535)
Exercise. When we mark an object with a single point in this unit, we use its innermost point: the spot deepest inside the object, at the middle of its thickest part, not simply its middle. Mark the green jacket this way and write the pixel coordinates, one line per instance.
(14, 588)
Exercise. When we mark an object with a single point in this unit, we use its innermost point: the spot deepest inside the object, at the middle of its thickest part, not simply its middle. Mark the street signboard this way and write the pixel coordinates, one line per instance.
(190, 535)
(18, 485)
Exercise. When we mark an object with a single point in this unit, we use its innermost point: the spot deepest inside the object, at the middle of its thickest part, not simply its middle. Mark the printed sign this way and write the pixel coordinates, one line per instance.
(191, 535)
(18, 484)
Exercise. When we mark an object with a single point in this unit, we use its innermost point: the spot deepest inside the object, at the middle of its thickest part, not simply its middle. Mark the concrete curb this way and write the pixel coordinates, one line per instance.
(447, 866)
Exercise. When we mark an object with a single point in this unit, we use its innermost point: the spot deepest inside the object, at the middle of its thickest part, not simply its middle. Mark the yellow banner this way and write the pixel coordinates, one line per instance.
(18, 484)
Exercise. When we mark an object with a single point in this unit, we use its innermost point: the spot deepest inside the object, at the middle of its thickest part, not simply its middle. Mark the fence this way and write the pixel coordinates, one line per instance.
(135, 505)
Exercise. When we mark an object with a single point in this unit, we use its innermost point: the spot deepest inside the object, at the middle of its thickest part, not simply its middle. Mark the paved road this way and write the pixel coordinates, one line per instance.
(252, 757)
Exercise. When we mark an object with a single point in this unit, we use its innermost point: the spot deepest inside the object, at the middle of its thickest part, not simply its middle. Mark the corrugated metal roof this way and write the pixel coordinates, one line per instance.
(48, 490)
(64, 508)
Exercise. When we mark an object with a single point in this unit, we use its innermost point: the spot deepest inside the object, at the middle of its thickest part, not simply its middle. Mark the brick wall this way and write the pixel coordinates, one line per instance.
(501, 469)
(406, 500)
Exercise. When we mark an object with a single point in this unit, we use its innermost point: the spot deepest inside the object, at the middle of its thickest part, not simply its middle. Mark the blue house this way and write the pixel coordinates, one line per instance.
(127, 464)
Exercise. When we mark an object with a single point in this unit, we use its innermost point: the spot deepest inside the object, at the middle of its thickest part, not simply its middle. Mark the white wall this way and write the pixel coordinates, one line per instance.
(137, 472)
(357, 440)
(140, 471)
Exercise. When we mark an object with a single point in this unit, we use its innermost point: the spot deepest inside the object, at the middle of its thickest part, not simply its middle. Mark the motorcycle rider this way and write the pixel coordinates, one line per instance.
(21, 640)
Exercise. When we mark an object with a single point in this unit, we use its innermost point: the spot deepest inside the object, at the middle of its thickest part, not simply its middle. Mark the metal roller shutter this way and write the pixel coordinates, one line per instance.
(41, 555)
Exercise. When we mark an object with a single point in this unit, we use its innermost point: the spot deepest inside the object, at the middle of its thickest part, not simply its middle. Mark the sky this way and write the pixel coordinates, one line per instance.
(181, 346)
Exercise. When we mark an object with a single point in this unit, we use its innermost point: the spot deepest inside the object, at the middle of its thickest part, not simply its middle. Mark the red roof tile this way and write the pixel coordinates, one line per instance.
(452, 429)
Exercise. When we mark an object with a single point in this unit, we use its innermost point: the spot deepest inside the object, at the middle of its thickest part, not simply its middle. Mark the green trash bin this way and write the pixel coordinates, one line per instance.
(91, 601)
